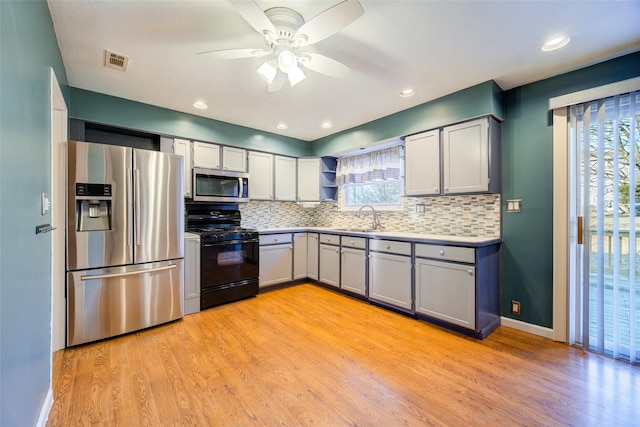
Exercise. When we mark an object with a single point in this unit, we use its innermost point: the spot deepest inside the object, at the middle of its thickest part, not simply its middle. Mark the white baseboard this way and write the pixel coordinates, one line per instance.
(46, 408)
(527, 327)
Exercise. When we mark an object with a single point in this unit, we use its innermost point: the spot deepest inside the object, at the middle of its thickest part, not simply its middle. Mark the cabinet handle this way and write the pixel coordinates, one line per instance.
(197, 240)
(337, 250)
(275, 239)
(370, 256)
(470, 272)
(290, 248)
(342, 251)
(441, 253)
(388, 246)
(351, 241)
(435, 190)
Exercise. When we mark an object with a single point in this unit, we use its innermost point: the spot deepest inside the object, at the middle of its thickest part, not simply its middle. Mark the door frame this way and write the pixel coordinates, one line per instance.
(59, 117)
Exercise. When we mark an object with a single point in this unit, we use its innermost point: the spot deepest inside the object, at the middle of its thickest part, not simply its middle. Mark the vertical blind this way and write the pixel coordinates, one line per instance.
(607, 133)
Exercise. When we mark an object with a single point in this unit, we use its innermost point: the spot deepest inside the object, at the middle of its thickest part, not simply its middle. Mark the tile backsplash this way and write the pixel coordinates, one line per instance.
(468, 215)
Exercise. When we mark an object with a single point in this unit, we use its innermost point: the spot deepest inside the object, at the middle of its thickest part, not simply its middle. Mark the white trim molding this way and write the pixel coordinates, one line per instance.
(527, 327)
(46, 408)
(561, 222)
(592, 94)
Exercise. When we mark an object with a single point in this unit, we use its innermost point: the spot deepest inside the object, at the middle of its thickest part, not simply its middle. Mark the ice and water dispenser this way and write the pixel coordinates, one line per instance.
(93, 207)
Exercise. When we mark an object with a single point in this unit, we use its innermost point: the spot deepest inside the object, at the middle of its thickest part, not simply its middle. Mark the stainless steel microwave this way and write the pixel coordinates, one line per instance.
(219, 186)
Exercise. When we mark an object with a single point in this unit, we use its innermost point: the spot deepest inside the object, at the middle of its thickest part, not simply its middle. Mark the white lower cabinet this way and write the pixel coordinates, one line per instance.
(330, 264)
(390, 273)
(300, 259)
(191, 273)
(312, 255)
(446, 291)
(353, 265)
(276, 259)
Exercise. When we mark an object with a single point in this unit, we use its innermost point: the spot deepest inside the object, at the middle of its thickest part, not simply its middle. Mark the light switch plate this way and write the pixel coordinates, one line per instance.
(514, 205)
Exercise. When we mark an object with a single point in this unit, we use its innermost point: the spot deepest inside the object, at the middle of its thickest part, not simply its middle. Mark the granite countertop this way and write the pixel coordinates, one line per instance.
(473, 241)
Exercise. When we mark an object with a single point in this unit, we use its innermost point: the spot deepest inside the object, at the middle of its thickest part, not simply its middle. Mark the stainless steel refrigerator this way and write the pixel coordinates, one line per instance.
(125, 240)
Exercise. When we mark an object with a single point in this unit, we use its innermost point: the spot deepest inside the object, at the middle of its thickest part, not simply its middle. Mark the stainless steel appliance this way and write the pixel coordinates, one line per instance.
(125, 244)
(229, 254)
(215, 186)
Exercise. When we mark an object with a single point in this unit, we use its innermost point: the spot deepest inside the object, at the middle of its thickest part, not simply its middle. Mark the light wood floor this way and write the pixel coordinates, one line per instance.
(304, 355)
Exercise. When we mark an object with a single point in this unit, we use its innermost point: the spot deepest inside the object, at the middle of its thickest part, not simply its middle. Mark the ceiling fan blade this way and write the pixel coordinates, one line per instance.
(324, 65)
(278, 82)
(330, 21)
(236, 53)
(254, 15)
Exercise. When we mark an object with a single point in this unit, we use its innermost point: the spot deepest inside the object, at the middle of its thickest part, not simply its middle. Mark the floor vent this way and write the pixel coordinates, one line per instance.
(115, 61)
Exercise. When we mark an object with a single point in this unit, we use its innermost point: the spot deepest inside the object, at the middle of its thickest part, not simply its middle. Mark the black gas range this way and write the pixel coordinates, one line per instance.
(229, 254)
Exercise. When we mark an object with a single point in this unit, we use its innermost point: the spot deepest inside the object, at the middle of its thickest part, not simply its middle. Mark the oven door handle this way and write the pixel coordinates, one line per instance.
(228, 242)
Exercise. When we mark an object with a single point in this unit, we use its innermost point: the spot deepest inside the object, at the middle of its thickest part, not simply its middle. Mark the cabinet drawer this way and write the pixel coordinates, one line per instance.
(353, 242)
(447, 253)
(274, 239)
(330, 239)
(402, 248)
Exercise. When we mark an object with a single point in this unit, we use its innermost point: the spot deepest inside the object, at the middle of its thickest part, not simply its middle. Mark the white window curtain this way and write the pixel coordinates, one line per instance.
(606, 134)
(381, 165)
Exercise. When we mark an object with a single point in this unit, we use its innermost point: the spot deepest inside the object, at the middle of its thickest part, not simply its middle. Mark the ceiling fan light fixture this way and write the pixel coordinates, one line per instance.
(287, 61)
(295, 75)
(268, 71)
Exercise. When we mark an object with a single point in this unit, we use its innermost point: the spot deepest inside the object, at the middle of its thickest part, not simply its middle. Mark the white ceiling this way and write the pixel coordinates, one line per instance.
(437, 47)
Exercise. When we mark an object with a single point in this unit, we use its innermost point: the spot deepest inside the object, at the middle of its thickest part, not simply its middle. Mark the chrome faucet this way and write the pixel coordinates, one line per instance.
(376, 221)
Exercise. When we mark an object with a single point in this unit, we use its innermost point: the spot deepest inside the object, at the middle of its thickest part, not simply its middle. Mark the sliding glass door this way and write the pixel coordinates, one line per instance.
(605, 137)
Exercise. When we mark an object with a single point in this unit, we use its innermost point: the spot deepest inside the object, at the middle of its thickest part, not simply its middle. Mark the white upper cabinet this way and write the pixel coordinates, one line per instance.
(260, 176)
(182, 147)
(285, 178)
(234, 159)
(458, 159)
(422, 163)
(206, 155)
(309, 173)
(465, 155)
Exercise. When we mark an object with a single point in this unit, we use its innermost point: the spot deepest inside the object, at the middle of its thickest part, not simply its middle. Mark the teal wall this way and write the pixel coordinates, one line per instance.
(28, 48)
(100, 108)
(527, 174)
(484, 98)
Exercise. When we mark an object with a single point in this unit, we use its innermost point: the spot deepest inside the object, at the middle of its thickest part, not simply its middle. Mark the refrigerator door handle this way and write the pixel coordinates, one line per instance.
(137, 210)
(128, 207)
(240, 187)
(127, 273)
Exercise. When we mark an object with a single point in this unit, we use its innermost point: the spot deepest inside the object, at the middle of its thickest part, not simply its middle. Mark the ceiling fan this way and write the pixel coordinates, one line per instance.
(285, 33)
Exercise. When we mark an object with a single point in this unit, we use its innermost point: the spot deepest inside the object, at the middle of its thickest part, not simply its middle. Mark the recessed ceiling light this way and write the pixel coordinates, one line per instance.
(326, 125)
(282, 126)
(555, 43)
(200, 105)
(405, 93)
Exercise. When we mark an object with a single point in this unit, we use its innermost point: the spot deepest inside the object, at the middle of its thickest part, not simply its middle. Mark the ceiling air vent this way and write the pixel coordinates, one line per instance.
(115, 61)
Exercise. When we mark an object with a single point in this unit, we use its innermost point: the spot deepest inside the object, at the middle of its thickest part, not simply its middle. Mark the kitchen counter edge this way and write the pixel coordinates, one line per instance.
(469, 241)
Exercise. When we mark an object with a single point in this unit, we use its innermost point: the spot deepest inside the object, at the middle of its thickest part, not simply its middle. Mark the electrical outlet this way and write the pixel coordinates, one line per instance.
(515, 307)
(420, 208)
